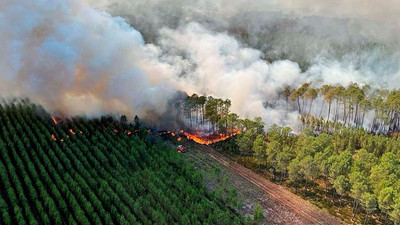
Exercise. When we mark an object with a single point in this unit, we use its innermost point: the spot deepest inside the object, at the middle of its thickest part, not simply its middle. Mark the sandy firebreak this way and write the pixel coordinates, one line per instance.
(280, 205)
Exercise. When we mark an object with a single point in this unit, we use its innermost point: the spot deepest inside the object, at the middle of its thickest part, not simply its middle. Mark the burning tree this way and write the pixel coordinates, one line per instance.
(209, 114)
(209, 119)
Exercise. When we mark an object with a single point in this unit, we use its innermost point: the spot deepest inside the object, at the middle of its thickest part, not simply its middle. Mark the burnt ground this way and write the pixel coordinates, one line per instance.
(280, 206)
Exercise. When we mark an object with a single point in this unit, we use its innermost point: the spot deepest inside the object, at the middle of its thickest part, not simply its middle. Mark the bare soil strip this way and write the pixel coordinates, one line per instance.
(301, 207)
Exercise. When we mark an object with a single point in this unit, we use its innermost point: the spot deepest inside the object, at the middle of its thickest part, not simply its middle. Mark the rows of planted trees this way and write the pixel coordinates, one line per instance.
(93, 172)
(329, 106)
(349, 168)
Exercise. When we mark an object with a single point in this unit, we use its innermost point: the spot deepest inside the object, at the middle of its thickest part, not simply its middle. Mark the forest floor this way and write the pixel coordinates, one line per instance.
(280, 206)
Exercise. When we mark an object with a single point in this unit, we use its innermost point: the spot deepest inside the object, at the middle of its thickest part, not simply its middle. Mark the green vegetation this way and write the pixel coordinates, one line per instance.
(351, 170)
(236, 192)
(258, 212)
(94, 172)
(337, 159)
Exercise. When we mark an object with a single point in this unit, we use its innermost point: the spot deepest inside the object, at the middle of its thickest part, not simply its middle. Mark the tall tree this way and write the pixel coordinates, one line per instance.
(368, 201)
(259, 149)
(311, 94)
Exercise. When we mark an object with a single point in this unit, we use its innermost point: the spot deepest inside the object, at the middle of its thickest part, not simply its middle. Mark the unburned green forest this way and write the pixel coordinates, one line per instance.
(351, 172)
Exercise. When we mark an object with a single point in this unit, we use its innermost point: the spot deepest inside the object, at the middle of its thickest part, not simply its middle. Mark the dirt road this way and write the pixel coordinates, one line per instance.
(310, 213)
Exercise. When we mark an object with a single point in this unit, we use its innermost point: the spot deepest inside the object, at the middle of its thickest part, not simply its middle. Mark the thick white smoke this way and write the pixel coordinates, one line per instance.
(356, 39)
(320, 41)
(76, 59)
(298, 30)
(217, 64)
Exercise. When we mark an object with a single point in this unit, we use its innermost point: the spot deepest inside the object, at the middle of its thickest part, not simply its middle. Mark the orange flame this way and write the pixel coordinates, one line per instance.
(72, 131)
(166, 132)
(169, 132)
(205, 138)
(53, 137)
(211, 139)
(54, 120)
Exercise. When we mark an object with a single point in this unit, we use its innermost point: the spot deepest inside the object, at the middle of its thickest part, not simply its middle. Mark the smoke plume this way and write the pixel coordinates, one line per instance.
(132, 57)
(77, 60)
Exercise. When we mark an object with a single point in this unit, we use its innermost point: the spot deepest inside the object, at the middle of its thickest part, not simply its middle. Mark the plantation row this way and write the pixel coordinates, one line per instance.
(91, 172)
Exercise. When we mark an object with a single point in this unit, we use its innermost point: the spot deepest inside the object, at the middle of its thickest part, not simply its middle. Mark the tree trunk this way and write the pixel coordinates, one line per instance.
(190, 117)
(362, 121)
(197, 115)
(344, 112)
(298, 104)
(355, 205)
(202, 114)
(355, 115)
(313, 187)
(386, 216)
(326, 183)
(336, 111)
(365, 218)
(322, 107)
(306, 186)
(329, 110)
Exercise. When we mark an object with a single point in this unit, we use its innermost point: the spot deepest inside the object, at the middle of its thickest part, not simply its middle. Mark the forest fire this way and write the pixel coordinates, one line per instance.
(169, 132)
(166, 132)
(204, 138)
(54, 120)
(72, 131)
(207, 138)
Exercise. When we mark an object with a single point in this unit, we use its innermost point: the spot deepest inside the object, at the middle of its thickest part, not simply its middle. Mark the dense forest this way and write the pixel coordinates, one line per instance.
(336, 150)
(353, 162)
(350, 163)
(351, 167)
(78, 171)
